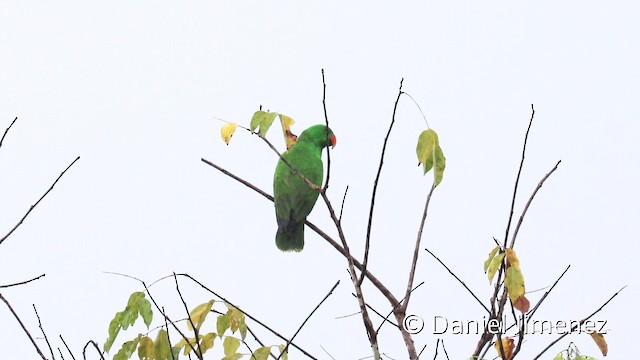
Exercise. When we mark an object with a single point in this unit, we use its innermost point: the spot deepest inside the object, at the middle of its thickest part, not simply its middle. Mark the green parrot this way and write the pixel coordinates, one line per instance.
(292, 197)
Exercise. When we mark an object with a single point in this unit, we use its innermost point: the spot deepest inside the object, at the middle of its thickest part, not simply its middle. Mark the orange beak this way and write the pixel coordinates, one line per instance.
(334, 141)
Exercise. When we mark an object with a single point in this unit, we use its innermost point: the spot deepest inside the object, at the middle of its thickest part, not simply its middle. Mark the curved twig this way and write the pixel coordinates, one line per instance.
(365, 259)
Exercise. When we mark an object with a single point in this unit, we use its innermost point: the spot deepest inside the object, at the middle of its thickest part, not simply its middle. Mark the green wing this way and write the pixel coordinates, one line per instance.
(293, 198)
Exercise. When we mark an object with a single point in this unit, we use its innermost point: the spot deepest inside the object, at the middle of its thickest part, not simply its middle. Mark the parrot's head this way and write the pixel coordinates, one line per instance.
(319, 135)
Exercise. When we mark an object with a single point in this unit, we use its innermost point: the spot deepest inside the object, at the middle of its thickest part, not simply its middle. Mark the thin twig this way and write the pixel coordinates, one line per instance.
(286, 347)
(487, 335)
(416, 251)
(373, 339)
(460, 281)
(419, 108)
(344, 197)
(526, 207)
(166, 325)
(326, 121)
(532, 311)
(67, 346)
(23, 327)
(37, 202)
(326, 352)
(46, 339)
(367, 242)
(189, 319)
(515, 187)
(7, 130)
(22, 282)
(574, 327)
(246, 314)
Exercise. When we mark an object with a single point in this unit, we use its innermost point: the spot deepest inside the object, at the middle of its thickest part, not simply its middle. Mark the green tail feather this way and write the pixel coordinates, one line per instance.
(290, 237)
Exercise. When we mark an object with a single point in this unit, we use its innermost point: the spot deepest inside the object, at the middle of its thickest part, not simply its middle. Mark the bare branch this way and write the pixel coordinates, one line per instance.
(326, 121)
(46, 339)
(7, 130)
(515, 187)
(67, 346)
(193, 326)
(416, 251)
(573, 328)
(23, 327)
(526, 207)
(365, 260)
(22, 282)
(286, 347)
(535, 308)
(37, 202)
(460, 281)
(344, 197)
(373, 339)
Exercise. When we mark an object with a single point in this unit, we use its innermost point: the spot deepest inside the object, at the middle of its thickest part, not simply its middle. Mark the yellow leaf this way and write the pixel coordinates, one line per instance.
(512, 258)
(514, 281)
(494, 266)
(199, 314)
(601, 342)
(493, 253)
(145, 348)
(227, 131)
(289, 137)
(507, 345)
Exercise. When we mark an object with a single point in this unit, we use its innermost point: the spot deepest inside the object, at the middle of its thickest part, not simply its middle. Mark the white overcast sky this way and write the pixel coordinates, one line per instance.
(133, 88)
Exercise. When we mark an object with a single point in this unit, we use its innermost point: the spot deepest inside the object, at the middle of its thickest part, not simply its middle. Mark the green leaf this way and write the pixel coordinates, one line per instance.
(243, 330)
(559, 356)
(266, 123)
(222, 324)
(114, 329)
(162, 349)
(263, 120)
(256, 119)
(145, 348)
(145, 311)
(440, 163)
(199, 314)
(230, 345)
(127, 349)
(261, 353)
(206, 342)
(430, 155)
(127, 317)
